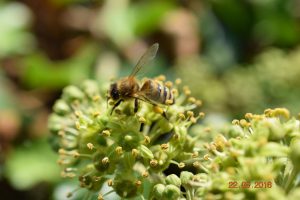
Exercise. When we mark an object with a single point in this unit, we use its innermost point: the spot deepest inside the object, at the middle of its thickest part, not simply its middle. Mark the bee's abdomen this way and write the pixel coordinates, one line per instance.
(157, 92)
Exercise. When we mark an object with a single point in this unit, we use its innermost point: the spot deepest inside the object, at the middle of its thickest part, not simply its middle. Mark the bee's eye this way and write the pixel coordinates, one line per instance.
(114, 91)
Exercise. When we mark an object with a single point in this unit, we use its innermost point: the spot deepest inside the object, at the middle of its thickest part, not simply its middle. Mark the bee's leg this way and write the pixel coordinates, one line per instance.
(164, 114)
(142, 126)
(116, 105)
(136, 105)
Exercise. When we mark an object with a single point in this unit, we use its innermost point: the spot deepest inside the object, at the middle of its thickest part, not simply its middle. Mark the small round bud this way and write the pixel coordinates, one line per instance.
(119, 150)
(169, 84)
(100, 197)
(192, 100)
(235, 122)
(164, 147)
(171, 192)
(95, 113)
(72, 93)
(195, 154)
(158, 109)
(61, 107)
(178, 81)
(198, 103)
(106, 133)
(153, 163)
(181, 116)
(243, 123)
(248, 115)
(206, 157)
(78, 113)
(174, 92)
(145, 174)
(90, 146)
(110, 182)
(147, 139)
(181, 165)
(145, 152)
(77, 125)
(201, 115)
(187, 92)
(173, 179)
(186, 177)
(128, 138)
(282, 112)
(138, 183)
(193, 120)
(105, 160)
(196, 164)
(268, 112)
(295, 152)
(161, 78)
(134, 153)
(190, 114)
(158, 190)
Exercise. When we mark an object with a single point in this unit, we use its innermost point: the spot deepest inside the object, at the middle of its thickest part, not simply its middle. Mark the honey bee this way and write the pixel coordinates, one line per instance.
(150, 91)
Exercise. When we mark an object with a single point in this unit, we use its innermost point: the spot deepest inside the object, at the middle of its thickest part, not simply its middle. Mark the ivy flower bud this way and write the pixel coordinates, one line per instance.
(173, 179)
(185, 177)
(171, 192)
(61, 107)
(295, 152)
(145, 152)
(73, 93)
(158, 190)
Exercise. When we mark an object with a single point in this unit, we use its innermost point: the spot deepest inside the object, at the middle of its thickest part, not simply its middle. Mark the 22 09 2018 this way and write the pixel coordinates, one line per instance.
(247, 184)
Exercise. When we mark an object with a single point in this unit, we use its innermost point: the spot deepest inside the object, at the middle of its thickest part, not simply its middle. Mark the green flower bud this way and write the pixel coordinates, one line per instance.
(274, 149)
(145, 152)
(90, 88)
(295, 152)
(71, 93)
(200, 192)
(171, 192)
(173, 179)
(61, 107)
(186, 177)
(130, 141)
(101, 162)
(158, 190)
(126, 188)
(277, 131)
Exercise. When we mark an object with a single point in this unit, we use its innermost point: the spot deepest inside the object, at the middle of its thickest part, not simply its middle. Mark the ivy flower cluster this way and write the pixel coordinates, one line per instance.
(149, 156)
(127, 151)
(254, 158)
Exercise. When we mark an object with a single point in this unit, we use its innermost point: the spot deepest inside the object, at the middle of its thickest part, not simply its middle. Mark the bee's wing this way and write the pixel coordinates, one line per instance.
(148, 56)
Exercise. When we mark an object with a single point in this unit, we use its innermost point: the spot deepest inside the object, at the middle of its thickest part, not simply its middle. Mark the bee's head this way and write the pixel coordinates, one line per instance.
(114, 92)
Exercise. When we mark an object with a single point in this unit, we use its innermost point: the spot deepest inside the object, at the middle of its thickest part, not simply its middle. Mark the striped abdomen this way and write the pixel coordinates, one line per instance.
(157, 92)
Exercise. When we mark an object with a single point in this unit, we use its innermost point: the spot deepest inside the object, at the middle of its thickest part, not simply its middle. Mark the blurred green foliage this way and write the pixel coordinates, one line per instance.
(32, 163)
(15, 37)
